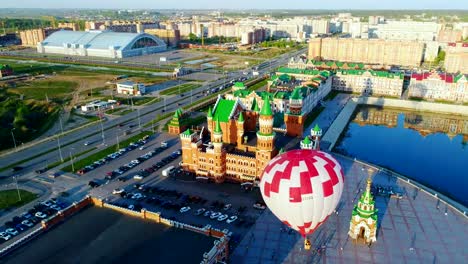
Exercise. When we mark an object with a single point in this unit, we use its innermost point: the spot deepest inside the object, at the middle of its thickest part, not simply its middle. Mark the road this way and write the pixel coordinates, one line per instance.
(73, 143)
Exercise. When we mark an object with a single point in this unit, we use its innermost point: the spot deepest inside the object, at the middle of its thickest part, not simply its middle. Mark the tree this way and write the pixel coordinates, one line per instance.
(192, 37)
(440, 57)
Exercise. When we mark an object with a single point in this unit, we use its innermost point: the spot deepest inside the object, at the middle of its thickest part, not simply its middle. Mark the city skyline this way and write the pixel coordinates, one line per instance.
(244, 4)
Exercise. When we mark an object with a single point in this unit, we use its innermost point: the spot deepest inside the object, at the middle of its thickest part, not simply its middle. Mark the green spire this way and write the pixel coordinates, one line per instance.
(241, 118)
(317, 128)
(281, 151)
(176, 114)
(254, 105)
(210, 113)
(296, 94)
(306, 141)
(266, 109)
(187, 132)
(218, 127)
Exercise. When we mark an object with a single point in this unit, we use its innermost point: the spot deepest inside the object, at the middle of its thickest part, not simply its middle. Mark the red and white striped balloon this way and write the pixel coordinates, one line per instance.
(302, 188)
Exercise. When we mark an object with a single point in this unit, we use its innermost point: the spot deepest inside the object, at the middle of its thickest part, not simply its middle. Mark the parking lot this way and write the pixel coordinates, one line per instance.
(19, 225)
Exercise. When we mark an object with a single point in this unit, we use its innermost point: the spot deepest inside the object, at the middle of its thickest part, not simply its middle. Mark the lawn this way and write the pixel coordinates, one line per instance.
(9, 198)
(186, 87)
(103, 153)
(257, 85)
(46, 89)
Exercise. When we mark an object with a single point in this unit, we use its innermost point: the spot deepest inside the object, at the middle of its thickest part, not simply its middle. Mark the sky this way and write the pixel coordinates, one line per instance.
(239, 4)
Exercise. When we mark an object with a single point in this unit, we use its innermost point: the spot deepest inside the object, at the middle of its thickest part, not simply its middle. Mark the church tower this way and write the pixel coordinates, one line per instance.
(294, 119)
(240, 129)
(265, 137)
(316, 134)
(219, 155)
(363, 222)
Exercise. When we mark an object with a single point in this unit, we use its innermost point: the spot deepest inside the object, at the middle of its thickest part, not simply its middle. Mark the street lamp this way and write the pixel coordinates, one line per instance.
(118, 142)
(139, 121)
(71, 158)
(17, 188)
(13, 136)
(59, 148)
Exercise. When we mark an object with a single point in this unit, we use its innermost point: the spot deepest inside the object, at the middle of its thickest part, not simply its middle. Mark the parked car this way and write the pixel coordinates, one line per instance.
(200, 211)
(227, 207)
(12, 231)
(207, 213)
(93, 184)
(259, 206)
(222, 217)
(5, 235)
(40, 215)
(138, 177)
(215, 215)
(118, 191)
(231, 219)
(185, 209)
(27, 223)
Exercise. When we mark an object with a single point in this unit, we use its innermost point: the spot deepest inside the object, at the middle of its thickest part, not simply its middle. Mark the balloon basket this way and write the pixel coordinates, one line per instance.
(307, 244)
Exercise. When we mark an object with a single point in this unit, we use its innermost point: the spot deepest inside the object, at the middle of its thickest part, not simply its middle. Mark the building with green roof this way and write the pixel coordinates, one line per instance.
(5, 70)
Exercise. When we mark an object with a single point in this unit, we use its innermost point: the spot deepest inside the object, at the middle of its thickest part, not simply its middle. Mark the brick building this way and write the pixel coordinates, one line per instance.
(232, 148)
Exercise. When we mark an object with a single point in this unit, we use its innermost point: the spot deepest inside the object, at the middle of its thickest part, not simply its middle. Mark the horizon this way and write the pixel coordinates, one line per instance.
(455, 5)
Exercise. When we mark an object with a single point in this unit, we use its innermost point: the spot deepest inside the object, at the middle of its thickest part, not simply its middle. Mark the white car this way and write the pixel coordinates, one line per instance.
(231, 219)
(41, 215)
(215, 215)
(138, 177)
(118, 191)
(222, 217)
(141, 148)
(12, 231)
(5, 235)
(227, 207)
(46, 203)
(55, 207)
(135, 162)
(131, 207)
(87, 143)
(137, 196)
(27, 223)
(259, 206)
(185, 209)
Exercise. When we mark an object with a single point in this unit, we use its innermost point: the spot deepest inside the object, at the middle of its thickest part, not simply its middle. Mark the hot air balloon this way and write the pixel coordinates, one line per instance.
(302, 188)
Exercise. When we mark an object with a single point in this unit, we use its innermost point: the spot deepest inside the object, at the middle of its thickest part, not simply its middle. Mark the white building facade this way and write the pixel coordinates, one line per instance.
(443, 87)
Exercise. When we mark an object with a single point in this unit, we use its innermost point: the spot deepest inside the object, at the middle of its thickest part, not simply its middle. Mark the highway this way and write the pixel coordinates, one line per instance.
(73, 143)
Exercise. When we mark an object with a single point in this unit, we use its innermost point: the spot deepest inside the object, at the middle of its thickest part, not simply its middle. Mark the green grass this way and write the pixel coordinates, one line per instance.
(57, 163)
(258, 85)
(312, 116)
(186, 87)
(55, 90)
(113, 111)
(103, 153)
(124, 112)
(9, 198)
(145, 100)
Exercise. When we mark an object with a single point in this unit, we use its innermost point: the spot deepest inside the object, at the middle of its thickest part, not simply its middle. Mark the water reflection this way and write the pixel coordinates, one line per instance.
(430, 148)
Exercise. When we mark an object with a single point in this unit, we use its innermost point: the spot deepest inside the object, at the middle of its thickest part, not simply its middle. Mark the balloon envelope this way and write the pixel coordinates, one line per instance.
(302, 188)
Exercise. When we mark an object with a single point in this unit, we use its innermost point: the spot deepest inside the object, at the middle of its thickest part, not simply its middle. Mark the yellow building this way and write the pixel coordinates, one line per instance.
(170, 36)
(372, 51)
(456, 58)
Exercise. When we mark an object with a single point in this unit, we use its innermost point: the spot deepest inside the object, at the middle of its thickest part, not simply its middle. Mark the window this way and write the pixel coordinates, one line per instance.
(144, 43)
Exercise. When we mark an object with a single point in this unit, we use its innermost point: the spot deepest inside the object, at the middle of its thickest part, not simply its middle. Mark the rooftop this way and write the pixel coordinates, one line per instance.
(223, 110)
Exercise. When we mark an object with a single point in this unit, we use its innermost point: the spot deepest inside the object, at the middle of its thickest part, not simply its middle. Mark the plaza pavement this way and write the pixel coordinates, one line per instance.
(415, 229)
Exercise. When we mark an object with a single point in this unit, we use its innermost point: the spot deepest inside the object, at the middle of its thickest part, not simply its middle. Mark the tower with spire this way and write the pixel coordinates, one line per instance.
(363, 222)
(265, 136)
(294, 118)
(312, 141)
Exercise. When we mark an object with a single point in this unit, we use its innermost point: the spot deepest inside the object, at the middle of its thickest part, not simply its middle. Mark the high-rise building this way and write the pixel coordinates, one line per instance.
(456, 58)
(370, 51)
(320, 26)
(30, 38)
(406, 30)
